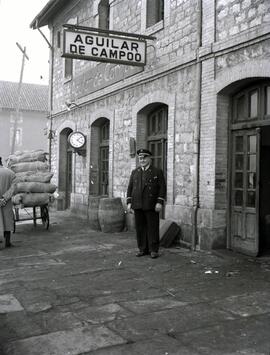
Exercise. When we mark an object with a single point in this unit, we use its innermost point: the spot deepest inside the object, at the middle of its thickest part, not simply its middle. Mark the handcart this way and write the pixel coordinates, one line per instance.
(22, 213)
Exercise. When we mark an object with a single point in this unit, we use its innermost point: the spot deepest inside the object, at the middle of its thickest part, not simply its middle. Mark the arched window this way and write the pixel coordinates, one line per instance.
(99, 157)
(154, 12)
(157, 127)
(104, 14)
(253, 103)
(104, 158)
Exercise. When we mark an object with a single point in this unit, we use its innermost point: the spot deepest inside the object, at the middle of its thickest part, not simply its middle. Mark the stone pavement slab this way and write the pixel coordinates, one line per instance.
(243, 336)
(70, 342)
(169, 321)
(161, 345)
(72, 290)
(8, 303)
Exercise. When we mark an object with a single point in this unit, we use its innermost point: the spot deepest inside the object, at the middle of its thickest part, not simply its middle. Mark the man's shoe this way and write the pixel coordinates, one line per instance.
(154, 255)
(141, 253)
(9, 245)
(7, 241)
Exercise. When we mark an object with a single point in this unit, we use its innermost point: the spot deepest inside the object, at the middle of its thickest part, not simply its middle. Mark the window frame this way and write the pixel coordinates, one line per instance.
(157, 137)
(148, 30)
(154, 12)
(68, 76)
(104, 5)
(104, 148)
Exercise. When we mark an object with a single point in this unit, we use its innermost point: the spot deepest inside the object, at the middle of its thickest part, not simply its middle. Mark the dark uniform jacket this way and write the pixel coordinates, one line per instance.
(146, 188)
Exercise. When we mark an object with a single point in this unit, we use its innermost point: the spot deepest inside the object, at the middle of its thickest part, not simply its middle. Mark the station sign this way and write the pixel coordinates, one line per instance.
(102, 48)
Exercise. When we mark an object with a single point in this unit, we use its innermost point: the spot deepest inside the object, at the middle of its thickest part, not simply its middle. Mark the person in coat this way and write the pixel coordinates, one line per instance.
(7, 179)
(146, 196)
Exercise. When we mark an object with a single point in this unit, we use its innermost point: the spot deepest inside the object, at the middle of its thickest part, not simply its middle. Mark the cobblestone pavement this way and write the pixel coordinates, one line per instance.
(71, 290)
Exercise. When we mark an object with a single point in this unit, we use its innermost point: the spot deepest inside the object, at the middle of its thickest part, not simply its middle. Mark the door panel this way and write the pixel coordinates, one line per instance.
(68, 178)
(104, 170)
(245, 191)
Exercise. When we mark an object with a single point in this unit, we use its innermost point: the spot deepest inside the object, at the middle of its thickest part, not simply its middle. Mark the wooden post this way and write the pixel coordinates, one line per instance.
(18, 98)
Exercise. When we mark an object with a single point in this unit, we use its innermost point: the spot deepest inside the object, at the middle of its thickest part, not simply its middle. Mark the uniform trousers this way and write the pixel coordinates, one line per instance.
(147, 230)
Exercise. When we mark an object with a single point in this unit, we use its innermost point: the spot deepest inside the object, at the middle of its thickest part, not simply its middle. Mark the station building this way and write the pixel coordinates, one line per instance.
(201, 104)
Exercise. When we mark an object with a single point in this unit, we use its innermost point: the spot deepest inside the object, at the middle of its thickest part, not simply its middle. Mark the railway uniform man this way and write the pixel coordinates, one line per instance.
(7, 178)
(146, 196)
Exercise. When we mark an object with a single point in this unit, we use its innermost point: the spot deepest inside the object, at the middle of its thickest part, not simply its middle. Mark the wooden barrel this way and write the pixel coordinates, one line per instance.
(93, 206)
(111, 215)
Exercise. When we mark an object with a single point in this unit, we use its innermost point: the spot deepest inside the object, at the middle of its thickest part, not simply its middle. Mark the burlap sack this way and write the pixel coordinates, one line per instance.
(35, 187)
(21, 152)
(34, 177)
(30, 166)
(22, 157)
(36, 199)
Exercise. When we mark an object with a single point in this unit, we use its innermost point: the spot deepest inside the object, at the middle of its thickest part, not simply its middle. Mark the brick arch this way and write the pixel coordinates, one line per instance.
(255, 69)
(109, 114)
(227, 86)
(67, 124)
(139, 113)
(62, 133)
(161, 96)
(97, 118)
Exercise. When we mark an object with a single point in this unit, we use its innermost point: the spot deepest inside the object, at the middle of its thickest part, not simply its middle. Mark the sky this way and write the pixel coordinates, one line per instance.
(15, 19)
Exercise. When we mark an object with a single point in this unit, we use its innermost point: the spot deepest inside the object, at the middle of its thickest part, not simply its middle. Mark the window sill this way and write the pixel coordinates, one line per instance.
(67, 80)
(155, 28)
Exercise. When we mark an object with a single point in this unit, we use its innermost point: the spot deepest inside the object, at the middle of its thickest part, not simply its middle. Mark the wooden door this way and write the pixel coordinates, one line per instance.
(104, 159)
(244, 206)
(104, 170)
(68, 177)
(157, 137)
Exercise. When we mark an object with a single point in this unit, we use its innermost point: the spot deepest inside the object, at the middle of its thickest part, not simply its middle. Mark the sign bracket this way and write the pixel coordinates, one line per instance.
(108, 32)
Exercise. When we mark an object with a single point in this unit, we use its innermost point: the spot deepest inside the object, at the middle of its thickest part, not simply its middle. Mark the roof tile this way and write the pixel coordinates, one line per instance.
(34, 97)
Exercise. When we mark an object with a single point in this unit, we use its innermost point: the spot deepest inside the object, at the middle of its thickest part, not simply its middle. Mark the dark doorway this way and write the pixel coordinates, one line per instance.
(65, 170)
(264, 240)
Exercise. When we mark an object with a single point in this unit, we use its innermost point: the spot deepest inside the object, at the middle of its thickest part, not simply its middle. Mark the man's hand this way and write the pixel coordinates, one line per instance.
(158, 207)
(3, 202)
(129, 209)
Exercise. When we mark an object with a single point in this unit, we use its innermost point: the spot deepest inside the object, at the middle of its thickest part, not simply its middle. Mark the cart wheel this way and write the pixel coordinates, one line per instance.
(45, 216)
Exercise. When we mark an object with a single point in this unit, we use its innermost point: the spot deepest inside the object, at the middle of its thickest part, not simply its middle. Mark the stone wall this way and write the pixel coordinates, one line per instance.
(122, 124)
(234, 46)
(234, 17)
(243, 56)
(172, 44)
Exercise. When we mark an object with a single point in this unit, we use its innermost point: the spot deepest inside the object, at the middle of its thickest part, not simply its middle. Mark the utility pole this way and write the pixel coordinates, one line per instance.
(23, 50)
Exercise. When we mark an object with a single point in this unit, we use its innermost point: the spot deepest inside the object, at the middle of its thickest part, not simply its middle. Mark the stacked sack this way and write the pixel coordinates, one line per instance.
(33, 186)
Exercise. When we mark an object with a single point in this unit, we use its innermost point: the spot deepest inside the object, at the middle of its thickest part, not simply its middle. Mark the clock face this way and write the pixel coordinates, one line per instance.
(77, 139)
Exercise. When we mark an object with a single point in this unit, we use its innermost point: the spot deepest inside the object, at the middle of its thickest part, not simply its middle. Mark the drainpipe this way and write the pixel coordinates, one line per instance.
(50, 135)
(196, 196)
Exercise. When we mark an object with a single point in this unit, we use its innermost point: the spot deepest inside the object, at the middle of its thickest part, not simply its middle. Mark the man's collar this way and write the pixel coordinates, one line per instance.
(146, 167)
